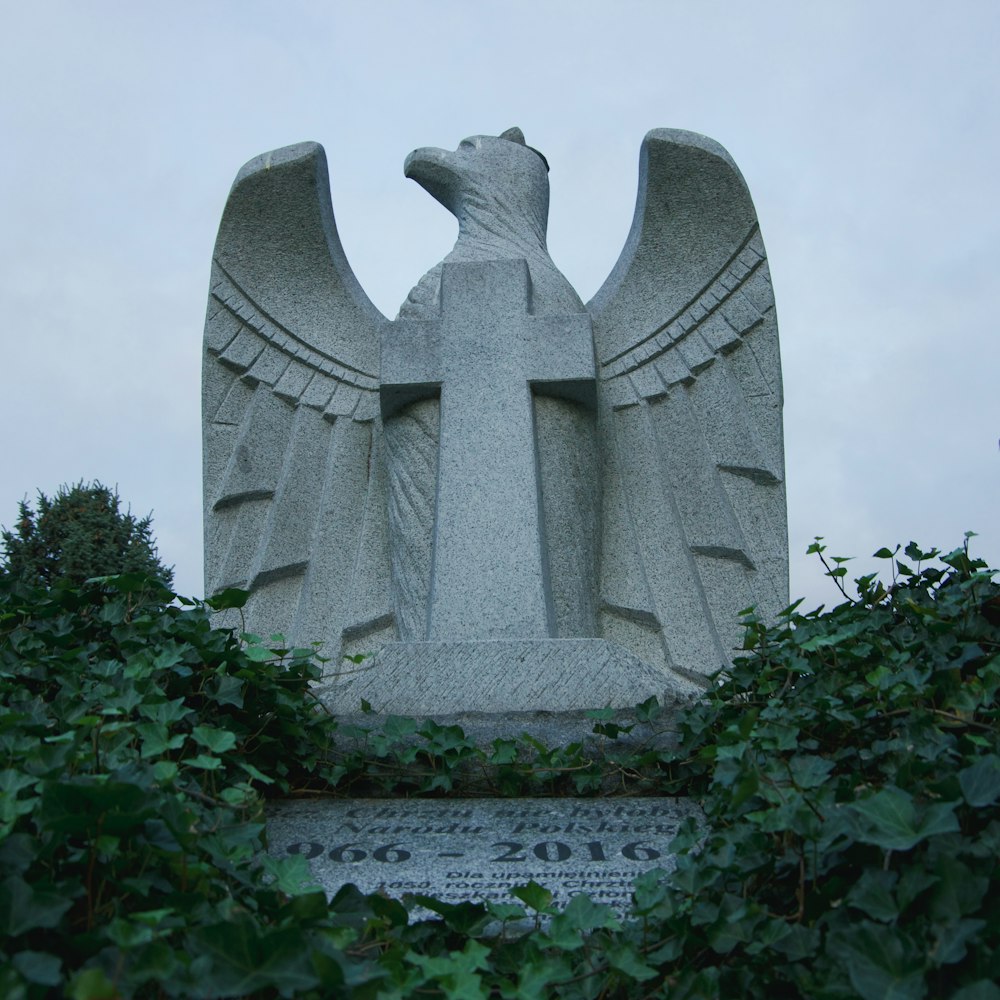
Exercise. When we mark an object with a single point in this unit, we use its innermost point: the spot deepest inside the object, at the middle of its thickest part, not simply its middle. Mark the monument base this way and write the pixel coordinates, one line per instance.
(500, 677)
(479, 849)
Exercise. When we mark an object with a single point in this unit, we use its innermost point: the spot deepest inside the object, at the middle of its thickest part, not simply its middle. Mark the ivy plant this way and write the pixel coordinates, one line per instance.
(848, 765)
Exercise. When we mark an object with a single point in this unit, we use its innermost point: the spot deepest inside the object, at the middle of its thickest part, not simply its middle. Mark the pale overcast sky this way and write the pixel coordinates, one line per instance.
(867, 132)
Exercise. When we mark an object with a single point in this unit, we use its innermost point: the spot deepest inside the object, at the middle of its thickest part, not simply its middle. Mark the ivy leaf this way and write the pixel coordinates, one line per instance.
(984, 989)
(38, 967)
(534, 979)
(241, 959)
(504, 752)
(456, 972)
(465, 918)
(951, 940)
(204, 762)
(581, 915)
(229, 691)
(958, 891)
(259, 654)
(878, 961)
(92, 984)
(505, 911)
(981, 781)
(397, 727)
(625, 957)
(83, 806)
(809, 771)
(390, 910)
(232, 597)
(533, 895)
(292, 875)
(649, 711)
(892, 820)
(800, 944)
(872, 893)
(24, 907)
(165, 711)
(18, 850)
(156, 738)
(164, 770)
(216, 740)
(255, 773)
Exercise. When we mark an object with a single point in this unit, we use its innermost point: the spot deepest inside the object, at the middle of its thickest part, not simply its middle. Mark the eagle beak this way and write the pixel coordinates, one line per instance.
(434, 171)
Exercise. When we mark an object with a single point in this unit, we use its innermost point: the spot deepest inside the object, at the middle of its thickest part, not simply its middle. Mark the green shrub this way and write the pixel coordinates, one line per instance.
(80, 533)
(848, 765)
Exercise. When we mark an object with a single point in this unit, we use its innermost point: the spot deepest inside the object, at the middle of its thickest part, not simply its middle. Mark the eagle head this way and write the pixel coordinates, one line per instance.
(483, 170)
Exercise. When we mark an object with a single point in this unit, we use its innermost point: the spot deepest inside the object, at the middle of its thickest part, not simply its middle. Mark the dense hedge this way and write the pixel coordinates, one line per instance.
(849, 767)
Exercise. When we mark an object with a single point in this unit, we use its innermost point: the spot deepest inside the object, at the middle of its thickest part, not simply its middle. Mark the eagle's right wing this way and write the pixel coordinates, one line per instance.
(294, 499)
(686, 338)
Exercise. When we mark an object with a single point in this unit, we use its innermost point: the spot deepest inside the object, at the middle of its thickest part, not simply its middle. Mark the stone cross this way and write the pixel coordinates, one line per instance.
(486, 355)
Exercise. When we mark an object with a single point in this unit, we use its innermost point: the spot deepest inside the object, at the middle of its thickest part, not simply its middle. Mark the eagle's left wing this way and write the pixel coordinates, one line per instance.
(295, 495)
(694, 521)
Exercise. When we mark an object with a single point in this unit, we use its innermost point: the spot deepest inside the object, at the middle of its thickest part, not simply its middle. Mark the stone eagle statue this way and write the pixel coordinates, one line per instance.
(502, 467)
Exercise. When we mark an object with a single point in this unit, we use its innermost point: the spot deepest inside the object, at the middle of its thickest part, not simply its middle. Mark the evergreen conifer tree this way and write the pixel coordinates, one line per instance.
(80, 533)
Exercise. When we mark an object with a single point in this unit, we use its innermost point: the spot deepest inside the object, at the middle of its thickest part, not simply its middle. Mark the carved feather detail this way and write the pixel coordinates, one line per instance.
(690, 392)
(244, 338)
(290, 396)
(711, 324)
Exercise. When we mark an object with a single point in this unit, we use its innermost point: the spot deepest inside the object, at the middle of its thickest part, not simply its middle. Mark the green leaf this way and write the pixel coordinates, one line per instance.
(649, 711)
(259, 654)
(216, 740)
(397, 727)
(243, 959)
(873, 894)
(505, 911)
(880, 963)
(892, 821)
(800, 944)
(533, 896)
(291, 875)
(581, 915)
(958, 891)
(156, 738)
(229, 691)
(18, 850)
(84, 806)
(504, 752)
(454, 965)
(165, 711)
(980, 782)
(255, 773)
(164, 770)
(951, 940)
(464, 918)
(392, 911)
(984, 989)
(129, 934)
(204, 762)
(232, 597)
(38, 967)
(625, 958)
(92, 984)
(809, 772)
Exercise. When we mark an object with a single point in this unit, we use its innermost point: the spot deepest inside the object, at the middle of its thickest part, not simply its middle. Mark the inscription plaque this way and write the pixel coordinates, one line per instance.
(478, 849)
